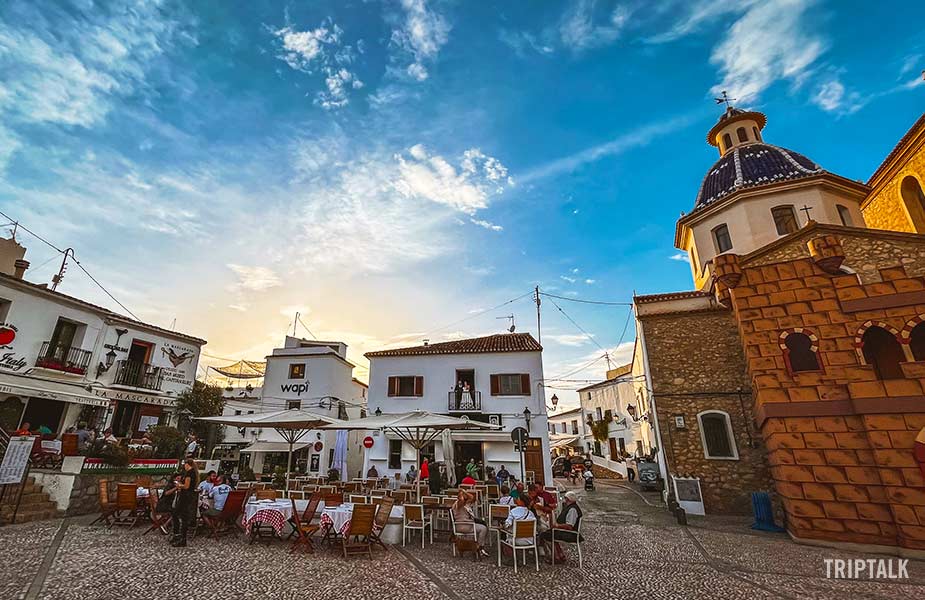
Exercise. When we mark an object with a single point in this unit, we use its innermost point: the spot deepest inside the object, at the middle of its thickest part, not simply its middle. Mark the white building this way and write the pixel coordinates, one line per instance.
(614, 402)
(309, 374)
(63, 360)
(505, 373)
(566, 431)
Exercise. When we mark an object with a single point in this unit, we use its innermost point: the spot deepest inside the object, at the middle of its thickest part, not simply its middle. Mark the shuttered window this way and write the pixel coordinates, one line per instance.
(510, 384)
(406, 385)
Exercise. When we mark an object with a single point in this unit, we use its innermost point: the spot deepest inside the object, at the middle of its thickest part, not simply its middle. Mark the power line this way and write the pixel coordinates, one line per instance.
(601, 302)
(29, 231)
(299, 319)
(578, 370)
(100, 285)
(472, 316)
(588, 335)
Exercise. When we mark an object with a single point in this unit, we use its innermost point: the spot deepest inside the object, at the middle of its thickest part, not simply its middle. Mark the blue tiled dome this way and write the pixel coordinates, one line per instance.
(752, 165)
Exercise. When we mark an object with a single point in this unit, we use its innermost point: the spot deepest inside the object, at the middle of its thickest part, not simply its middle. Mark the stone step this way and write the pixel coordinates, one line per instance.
(29, 514)
(35, 497)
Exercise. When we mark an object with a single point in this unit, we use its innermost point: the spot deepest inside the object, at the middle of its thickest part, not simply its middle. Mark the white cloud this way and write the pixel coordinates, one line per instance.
(580, 30)
(769, 42)
(567, 278)
(681, 257)
(567, 339)
(590, 281)
(910, 63)
(322, 49)
(697, 13)
(522, 41)
(255, 279)
(487, 225)
(576, 270)
(421, 35)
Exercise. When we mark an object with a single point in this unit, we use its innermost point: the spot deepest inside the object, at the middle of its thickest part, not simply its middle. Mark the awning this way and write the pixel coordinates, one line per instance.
(243, 369)
(274, 447)
(35, 387)
(561, 441)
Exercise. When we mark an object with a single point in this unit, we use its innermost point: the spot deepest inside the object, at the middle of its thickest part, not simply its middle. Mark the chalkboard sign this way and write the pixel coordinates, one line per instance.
(15, 460)
(688, 490)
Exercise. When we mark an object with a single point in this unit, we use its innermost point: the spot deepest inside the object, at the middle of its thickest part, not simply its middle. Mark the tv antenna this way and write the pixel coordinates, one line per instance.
(511, 319)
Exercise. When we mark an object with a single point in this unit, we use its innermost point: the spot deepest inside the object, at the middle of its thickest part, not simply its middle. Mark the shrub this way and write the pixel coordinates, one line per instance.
(111, 454)
(168, 442)
(246, 474)
(279, 478)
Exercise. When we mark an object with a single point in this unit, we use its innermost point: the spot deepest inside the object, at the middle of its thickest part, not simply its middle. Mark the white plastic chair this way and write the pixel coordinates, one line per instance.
(415, 518)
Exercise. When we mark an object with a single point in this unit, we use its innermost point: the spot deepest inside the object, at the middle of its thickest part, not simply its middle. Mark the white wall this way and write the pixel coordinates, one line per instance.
(439, 372)
(615, 396)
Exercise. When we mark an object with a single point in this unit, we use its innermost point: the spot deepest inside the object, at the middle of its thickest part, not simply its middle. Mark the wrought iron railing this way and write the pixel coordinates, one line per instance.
(138, 374)
(460, 401)
(63, 358)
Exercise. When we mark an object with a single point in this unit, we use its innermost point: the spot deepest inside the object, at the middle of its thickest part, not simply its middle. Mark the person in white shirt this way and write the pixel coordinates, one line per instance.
(506, 497)
(218, 494)
(519, 512)
(192, 446)
(395, 482)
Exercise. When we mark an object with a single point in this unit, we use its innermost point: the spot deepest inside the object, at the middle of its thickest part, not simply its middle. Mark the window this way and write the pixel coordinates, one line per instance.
(742, 134)
(395, 454)
(721, 238)
(600, 413)
(882, 351)
(801, 353)
(574, 427)
(297, 371)
(844, 214)
(757, 134)
(510, 384)
(785, 219)
(622, 443)
(608, 415)
(294, 404)
(917, 341)
(406, 385)
(914, 199)
(4, 309)
(727, 142)
(237, 412)
(716, 435)
(563, 427)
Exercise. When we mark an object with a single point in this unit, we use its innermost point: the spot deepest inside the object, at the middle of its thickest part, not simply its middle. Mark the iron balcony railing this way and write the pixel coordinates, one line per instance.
(63, 358)
(138, 374)
(459, 401)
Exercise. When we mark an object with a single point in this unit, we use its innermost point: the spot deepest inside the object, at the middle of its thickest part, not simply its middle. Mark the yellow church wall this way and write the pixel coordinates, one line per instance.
(885, 207)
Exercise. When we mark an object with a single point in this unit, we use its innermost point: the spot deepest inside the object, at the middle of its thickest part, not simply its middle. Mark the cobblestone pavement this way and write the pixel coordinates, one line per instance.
(633, 550)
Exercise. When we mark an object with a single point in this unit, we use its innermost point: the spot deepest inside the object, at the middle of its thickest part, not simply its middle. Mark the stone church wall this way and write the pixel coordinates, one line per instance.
(885, 208)
(697, 364)
(840, 440)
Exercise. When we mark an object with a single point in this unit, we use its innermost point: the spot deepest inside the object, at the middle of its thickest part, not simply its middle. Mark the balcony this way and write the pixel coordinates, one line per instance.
(464, 401)
(138, 375)
(63, 358)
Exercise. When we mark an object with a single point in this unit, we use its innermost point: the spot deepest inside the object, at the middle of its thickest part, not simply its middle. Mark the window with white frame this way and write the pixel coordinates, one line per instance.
(716, 435)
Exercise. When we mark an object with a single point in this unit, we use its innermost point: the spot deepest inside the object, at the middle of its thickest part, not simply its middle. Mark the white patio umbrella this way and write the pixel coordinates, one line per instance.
(417, 427)
(449, 456)
(291, 424)
(340, 454)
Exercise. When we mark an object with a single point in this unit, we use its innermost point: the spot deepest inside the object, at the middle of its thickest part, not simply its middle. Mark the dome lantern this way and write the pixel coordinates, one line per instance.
(735, 128)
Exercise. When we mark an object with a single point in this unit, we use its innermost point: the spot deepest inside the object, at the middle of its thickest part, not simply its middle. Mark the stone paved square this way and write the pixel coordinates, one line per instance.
(633, 550)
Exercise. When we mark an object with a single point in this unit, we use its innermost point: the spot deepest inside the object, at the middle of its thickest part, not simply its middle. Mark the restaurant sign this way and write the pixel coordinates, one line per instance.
(160, 465)
(182, 363)
(124, 396)
(9, 361)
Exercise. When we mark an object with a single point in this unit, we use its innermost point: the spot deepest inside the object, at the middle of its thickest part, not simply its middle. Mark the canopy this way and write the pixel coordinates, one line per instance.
(340, 454)
(273, 447)
(291, 424)
(243, 369)
(417, 427)
(561, 440)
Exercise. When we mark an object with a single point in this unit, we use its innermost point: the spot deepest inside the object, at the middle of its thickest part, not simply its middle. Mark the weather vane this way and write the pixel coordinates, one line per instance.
(725, 100)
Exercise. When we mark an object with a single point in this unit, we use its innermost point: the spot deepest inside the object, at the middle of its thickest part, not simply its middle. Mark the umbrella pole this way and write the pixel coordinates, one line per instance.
(418, 486)
(289, 465)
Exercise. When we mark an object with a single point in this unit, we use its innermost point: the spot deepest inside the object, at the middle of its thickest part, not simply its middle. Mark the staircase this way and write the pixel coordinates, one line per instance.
(35, 504)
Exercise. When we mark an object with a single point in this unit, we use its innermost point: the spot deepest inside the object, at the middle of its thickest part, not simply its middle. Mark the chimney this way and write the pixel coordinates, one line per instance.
(19, 268)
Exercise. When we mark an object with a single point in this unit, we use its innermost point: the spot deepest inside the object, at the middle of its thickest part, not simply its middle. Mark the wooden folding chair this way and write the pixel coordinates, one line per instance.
(159, 520)
(303, 533)
(226, 519)
(126, 512)
(354, 499)
(267, 494)
(415, 519)
(382, 519)
(361, 526)
(107, 508)
(524, 532)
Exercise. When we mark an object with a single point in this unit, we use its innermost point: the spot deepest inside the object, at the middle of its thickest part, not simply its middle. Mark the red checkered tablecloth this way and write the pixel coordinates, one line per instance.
(274, 514)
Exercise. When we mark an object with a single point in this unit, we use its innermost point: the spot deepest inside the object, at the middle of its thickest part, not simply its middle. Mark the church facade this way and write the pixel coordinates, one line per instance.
(797, 364)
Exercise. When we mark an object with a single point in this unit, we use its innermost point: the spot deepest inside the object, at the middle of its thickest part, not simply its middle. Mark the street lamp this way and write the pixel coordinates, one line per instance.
(378, 412)
(555, 401)
(527, 415)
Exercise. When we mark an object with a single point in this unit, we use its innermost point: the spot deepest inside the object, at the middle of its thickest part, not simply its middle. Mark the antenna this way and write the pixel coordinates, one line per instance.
(511, 319)
(725, 100)
(295, 322)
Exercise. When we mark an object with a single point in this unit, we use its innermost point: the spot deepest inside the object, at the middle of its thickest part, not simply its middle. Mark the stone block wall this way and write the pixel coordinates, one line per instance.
(840, 441)
(696, 364)
(884, 208)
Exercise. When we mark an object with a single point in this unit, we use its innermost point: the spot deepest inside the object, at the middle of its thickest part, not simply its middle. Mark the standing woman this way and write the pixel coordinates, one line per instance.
(185, 508)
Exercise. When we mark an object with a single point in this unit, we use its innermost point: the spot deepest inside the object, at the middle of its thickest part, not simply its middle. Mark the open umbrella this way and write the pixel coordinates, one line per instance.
(417, 427)
(291, 424)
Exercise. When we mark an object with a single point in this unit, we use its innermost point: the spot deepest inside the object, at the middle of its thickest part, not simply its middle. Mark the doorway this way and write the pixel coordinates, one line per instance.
(139, 352)
(464, 451)
(533, 460)
(43, 412)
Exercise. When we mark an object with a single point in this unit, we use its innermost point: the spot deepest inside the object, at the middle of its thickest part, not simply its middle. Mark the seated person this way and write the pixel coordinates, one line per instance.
(218, 494)
(395, 482)
(205, 486)
(519, 512)
(468, 480)
(23, 429)
(506, 497)
(465, 520)
(109, 438)
(372, 473)
(165, 502)
(412, 474)
(566, 525)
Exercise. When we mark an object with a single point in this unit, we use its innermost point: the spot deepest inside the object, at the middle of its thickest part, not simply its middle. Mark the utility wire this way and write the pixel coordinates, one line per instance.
(588, 335)
(472, 316)
(547, 294)
(578, 370)
(299, 319)
(29, 231)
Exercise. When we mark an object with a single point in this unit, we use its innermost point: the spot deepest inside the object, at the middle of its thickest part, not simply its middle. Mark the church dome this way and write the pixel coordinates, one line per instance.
(752, 165)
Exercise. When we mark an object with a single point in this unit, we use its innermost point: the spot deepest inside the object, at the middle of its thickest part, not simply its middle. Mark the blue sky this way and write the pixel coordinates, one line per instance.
(390, 168)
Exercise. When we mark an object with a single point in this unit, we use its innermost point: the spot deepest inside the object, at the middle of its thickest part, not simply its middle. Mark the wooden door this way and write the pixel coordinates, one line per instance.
(614, 455)
(533, 460)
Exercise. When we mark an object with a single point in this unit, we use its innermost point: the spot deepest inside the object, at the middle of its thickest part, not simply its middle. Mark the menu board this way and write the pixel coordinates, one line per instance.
(15, 460)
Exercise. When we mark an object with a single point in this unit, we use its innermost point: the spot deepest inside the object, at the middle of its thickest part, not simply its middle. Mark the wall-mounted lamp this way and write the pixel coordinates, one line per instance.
(527, 415)
(378, 412)
(103, 367)
(632, 413)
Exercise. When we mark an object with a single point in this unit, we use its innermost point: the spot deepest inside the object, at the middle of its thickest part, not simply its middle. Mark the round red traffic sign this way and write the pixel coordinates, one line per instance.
(318, 446)
(368, 442)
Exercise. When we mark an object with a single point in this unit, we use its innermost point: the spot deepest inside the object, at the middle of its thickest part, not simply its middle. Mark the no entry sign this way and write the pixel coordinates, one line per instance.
(368, 442)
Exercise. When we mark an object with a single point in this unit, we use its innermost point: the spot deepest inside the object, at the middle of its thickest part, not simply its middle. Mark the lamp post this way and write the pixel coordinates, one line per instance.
(527, 415)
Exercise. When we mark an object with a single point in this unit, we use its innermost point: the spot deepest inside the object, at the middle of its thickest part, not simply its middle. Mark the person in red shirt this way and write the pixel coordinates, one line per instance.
(467, 480)
(425, 470)
(23, 429)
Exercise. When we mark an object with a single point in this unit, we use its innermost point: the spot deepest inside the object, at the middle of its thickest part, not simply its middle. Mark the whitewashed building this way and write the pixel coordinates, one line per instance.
(567, 432)
(505, 374)
(64, 360)
(614, 402)
(310, 374)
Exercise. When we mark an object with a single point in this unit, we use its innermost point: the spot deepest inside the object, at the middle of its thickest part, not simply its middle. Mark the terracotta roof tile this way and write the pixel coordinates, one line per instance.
(502, 342)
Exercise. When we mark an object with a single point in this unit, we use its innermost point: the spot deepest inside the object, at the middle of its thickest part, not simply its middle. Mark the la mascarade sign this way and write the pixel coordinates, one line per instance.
(181, 358)
(116, 395)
